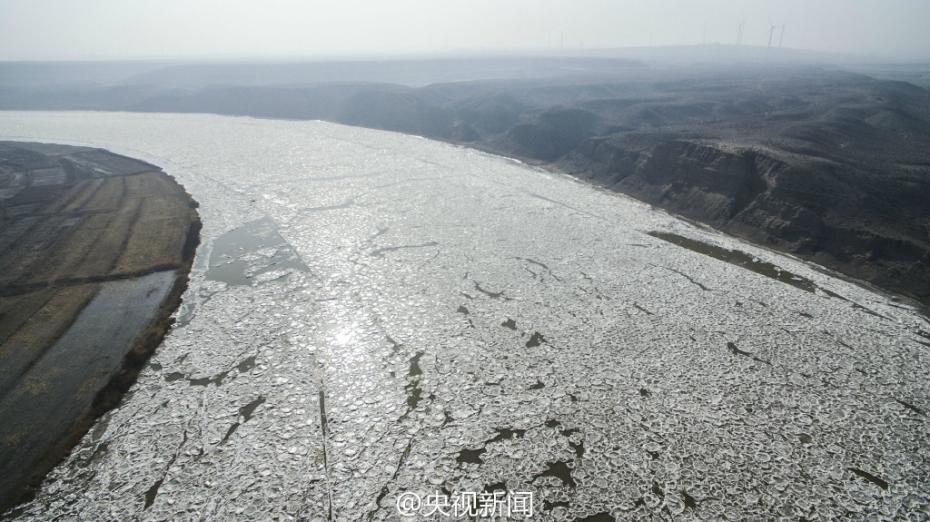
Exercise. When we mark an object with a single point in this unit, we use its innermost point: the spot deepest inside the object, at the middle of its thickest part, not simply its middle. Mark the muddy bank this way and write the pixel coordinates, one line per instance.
(96, 251)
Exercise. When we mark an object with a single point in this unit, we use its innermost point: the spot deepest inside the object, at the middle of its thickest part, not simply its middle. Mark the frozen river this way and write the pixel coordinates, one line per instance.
(373, 314)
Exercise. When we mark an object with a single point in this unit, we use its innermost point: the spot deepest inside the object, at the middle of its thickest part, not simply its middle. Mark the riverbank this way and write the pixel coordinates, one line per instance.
(96, 252)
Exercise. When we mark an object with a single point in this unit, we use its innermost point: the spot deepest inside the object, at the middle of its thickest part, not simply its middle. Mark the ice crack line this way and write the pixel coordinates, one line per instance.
(682, 274)
(324, 430)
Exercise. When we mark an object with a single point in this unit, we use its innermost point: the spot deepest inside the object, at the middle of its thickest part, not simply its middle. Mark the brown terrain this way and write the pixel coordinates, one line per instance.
(95, 250)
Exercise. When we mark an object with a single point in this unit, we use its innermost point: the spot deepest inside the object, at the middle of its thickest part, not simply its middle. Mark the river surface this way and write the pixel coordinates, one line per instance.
(373, 314)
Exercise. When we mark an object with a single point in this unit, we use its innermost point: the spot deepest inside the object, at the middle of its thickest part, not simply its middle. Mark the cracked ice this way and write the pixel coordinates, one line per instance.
(372, 313)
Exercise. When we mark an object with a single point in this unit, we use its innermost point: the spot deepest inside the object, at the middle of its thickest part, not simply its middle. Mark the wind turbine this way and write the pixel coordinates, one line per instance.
(739, 33)
(771, 34)
(781, 37)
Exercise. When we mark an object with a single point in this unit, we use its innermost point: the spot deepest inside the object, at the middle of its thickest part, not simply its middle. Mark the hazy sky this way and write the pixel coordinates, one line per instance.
(106, 29)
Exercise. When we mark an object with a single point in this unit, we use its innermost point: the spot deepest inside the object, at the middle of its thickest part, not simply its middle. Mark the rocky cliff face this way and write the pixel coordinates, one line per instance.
(812, 208)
